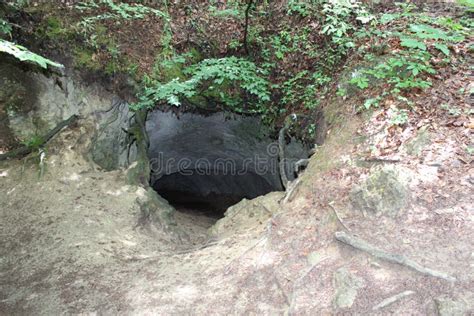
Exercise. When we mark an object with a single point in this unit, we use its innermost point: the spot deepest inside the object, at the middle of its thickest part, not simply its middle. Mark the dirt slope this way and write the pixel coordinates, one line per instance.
(69, 242)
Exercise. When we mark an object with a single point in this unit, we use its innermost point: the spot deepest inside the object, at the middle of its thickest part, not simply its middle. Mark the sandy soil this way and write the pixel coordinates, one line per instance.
(70, 242)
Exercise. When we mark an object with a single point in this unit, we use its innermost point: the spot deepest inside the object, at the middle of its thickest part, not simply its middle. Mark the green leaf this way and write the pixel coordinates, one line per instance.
(412, 43)
(428, 32)
(443, 48)
(24, 54)
(371, 102)
(388, 17)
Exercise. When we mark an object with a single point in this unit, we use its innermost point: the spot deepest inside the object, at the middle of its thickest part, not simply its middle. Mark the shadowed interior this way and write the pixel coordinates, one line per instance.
(213, 192)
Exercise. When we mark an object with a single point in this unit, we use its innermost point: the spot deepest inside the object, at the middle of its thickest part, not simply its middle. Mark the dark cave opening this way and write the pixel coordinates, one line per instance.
(210, 193)
(202, 165)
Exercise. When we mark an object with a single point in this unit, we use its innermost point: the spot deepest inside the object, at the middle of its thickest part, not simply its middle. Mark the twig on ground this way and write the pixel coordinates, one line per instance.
(382, 160)
(391, 257)
(392, 300)
(338, 217)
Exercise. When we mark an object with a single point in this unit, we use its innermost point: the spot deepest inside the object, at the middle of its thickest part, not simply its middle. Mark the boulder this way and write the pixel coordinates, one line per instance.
(448, 307)
(384, 192)
(347, 287)
(247, 214)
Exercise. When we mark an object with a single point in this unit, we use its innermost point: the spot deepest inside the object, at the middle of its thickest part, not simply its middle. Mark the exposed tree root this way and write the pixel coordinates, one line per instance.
(281, 151)
(392, 300)
(338, 217)
(391, 257)
(290, 192)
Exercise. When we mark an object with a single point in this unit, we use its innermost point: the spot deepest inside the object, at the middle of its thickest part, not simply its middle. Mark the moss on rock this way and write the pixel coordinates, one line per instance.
(384, 192)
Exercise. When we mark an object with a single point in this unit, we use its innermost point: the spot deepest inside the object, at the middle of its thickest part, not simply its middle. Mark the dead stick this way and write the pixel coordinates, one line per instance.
(25, 150)
(392, 300)
(394, 258)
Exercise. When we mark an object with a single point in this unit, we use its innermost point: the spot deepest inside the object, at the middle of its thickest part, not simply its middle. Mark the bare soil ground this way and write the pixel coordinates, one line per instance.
(70, 244)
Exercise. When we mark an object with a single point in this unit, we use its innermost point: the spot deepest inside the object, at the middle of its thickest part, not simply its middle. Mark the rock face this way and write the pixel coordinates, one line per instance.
(449, 307)
(110, 147)
(384, 192)
(416, 145)
(247, 214)
(31, 104)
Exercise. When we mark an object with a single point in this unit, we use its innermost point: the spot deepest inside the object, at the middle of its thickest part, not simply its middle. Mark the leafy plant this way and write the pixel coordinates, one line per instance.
(34, 142)
(337, 20)
(361, 81)
(5, 28)
(224, 79)
(303, 8)
(23, 54)
(373, 102)
(232, 10)
(409, 68)
(452, 110)
(114, 11)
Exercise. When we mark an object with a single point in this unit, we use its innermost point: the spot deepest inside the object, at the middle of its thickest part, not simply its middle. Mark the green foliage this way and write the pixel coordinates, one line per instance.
(118, 10)
(224, 79)
(452, 110)
(302, 89)
(469, 4)
(113, 11)
(372, 102)
(233, 9)
(337, 20)
(23, 54)
(84, 57)
(412, 43)
(53, 28)
(301, 7)
(409, 68)
(360, 80)
(34, 142)
(5, 28)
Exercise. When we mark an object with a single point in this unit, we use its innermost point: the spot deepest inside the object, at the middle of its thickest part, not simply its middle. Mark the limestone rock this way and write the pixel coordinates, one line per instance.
(110, 146)
(385, 191)
(347, 286)
(449, 307)
(247, 214)
(417, 144)
(31, 104)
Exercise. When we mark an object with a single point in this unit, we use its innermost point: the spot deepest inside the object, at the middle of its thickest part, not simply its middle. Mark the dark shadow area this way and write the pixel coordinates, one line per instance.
(210, 193)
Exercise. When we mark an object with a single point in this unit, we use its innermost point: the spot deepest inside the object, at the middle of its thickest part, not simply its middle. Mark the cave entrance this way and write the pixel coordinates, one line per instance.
(210, 193)
(203, 164)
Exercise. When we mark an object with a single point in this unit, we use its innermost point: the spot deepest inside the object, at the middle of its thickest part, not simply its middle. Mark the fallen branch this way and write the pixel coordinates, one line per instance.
(25, 150)
(391, 257)
(392, 300)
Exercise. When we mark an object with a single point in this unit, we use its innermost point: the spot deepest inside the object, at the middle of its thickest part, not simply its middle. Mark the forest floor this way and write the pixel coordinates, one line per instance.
(70, 243)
